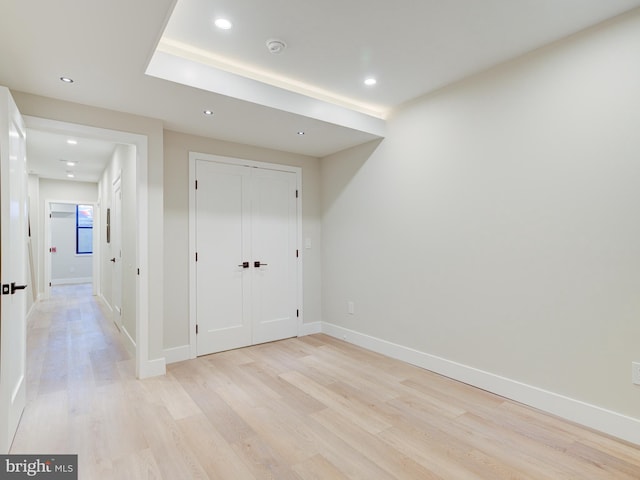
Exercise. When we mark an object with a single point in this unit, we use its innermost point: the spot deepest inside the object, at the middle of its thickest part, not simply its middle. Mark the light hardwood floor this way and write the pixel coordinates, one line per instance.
(306, 408)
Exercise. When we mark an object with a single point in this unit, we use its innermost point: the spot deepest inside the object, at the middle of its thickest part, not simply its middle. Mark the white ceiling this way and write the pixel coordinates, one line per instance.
(412, 47)
(49, 153)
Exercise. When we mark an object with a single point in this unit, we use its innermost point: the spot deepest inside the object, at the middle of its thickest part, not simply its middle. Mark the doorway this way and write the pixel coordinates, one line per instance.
(137, 236)
(71, 249)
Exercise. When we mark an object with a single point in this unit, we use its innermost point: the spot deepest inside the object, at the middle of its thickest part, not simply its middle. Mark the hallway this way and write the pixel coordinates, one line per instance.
(71, 343)
(75, 370)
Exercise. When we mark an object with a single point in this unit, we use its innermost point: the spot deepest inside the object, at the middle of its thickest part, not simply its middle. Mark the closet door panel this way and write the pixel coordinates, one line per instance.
(222, 244)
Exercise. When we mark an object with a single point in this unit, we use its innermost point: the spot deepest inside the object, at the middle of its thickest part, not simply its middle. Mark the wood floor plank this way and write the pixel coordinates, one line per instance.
(318, 468)
(370, 421)
(287, 435)
(223, 418)
(170, 393)
(304, 408)
(212, 451)
(295, 399)
(138, 465)
(262, 460)
(394, 462)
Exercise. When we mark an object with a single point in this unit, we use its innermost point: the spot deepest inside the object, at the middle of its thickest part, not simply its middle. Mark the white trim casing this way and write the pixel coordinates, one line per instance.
(145, 367)
(592, 416)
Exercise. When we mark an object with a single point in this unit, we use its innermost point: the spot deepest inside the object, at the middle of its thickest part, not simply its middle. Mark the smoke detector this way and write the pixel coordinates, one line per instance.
(276, 46)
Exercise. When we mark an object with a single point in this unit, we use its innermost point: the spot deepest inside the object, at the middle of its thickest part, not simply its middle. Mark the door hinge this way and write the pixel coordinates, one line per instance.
(196, 328)
(296, 193)
(297, 313)
(138, 271)
(297, 253)
(196, 256)
(196, 184)
(49, 283)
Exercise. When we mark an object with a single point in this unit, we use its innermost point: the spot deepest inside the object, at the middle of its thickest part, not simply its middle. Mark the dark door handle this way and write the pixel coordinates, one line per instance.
(15, 287)
(258, 264)
(244, 265)
(113, 260)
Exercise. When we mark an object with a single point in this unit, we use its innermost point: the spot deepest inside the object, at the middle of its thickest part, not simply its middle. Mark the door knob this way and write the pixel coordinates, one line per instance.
(15, 287)
(113, 260)
(257, 264)
(244, 265)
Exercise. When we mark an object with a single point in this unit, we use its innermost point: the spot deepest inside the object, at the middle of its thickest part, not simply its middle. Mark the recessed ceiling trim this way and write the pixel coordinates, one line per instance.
(206, 77)
(188, 52)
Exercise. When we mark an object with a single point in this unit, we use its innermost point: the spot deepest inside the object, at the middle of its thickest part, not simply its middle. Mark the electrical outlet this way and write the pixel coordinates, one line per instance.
(350, 308)
(635, 373)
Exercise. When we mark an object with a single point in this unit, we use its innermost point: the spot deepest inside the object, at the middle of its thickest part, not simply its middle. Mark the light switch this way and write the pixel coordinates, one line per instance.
(307, 243)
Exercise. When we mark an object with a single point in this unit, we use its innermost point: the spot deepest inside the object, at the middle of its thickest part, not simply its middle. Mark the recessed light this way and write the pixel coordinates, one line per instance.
(69, 163)
(66, 79)
(208, 112)
(223, 23)
(370, 81)
(72, 142)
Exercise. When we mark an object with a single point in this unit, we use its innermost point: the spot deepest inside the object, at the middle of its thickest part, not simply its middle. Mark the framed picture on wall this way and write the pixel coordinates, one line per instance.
(108, 225)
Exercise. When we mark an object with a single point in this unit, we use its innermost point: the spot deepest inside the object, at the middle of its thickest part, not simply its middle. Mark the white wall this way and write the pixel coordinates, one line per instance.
(176, 217)
(67, 266)
(498, 224)
(60, 191)
(122, 165)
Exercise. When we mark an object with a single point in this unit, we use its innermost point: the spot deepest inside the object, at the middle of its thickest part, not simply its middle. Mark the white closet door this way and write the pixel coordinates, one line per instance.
(273, 243)
(246, 268)
(222, 244)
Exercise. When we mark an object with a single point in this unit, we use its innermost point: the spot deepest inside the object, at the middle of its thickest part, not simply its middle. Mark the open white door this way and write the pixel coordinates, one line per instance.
(13, 267)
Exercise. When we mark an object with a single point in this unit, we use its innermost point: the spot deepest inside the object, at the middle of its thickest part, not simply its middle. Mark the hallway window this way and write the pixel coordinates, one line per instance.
(84, 229)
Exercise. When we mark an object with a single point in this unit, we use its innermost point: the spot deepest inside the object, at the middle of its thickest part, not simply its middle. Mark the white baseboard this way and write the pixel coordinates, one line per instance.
(151, 368)
(606, 421)
(310, 328)
(177, 354)
(130, 343)
(71, 281)
(32, 309)
(106, 303)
